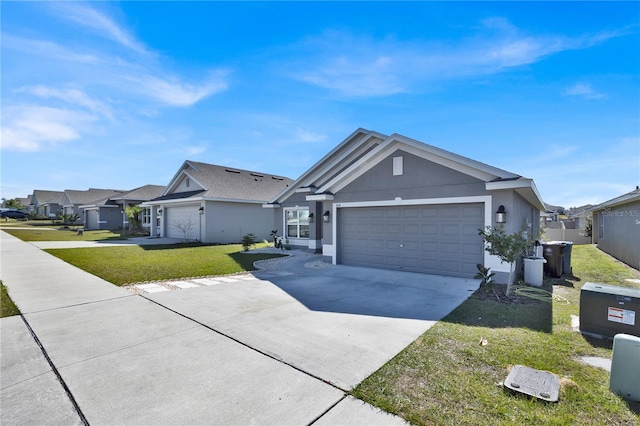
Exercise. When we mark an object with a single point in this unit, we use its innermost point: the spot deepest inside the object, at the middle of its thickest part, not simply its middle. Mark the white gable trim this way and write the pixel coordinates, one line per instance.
(523, 186)
(365, 139)
(320, 197)
(436, 155)
(175, 181)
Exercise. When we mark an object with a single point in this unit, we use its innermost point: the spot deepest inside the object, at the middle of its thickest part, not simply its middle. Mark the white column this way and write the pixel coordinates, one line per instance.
(153, 227)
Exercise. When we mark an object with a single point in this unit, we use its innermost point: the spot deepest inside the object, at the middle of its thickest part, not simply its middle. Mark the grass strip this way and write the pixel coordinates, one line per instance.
(448, 377)
(7, 307)
(132, 264)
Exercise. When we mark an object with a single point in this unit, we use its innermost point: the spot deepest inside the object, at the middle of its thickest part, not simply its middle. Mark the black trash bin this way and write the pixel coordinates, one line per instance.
(552, 252)
(566, 257)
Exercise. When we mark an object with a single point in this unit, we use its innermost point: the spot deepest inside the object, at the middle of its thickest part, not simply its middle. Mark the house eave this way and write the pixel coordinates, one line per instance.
(270, 205)
(305, 189)
(320, 197)
(526, 188)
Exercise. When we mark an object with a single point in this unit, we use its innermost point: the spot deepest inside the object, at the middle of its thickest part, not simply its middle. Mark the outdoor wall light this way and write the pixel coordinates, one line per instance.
(201, 209)
(325, 216)
(310, 217)
(160, 211)
(501, 215)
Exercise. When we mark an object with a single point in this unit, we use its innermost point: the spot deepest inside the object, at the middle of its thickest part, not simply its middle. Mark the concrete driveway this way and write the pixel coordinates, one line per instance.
(278, 347)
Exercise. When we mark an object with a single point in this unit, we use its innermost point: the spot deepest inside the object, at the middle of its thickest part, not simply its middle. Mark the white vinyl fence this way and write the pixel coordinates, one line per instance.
(573, 235)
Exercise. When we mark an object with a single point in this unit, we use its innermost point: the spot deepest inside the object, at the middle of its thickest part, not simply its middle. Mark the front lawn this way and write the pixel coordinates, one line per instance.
(58, 233)
(131, 264)
(7, 307)
(449, 377)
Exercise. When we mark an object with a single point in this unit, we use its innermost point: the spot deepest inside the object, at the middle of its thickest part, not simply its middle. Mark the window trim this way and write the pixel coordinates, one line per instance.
(285, 229)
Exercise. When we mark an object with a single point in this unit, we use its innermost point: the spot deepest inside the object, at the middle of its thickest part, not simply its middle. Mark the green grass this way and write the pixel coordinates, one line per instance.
(7, 307)
(125, 265)
(58, 233)
(447, 378)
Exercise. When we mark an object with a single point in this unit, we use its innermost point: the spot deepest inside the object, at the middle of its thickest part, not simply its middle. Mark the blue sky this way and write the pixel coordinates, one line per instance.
(118, 95)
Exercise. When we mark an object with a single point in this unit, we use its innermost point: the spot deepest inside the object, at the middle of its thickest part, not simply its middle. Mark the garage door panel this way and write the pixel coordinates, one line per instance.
(450, 248)
(410, 229)
(438, 239)
(429, 230)
(429, 246)
(450, 230)
(182, 217)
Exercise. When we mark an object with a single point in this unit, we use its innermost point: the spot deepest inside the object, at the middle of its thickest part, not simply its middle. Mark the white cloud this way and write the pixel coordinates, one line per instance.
(70, 95)
(33, 128)
(583, 90)
(46, 49)
(92, 18)
(364, 67)
(173, 92)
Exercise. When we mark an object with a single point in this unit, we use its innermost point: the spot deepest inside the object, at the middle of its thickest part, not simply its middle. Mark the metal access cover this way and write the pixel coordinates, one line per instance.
(532, 382)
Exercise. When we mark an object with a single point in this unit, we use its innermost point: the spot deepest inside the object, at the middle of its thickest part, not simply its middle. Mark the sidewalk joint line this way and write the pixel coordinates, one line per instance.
(267, 354)
(56, 372)
(328, 409)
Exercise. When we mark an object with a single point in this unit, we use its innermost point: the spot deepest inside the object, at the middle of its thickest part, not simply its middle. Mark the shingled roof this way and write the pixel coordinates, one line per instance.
(225, 183)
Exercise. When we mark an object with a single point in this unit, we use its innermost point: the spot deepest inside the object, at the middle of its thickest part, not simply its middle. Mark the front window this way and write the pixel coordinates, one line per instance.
(146, 216)
(297, 223)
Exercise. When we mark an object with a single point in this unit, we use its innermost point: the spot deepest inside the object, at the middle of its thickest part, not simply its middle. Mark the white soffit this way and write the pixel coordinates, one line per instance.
(523, 186)
(320, 197)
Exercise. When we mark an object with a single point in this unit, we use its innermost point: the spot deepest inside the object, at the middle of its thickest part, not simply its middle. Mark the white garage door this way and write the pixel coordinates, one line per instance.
(92, 219)
(433, 239)
(183, 220)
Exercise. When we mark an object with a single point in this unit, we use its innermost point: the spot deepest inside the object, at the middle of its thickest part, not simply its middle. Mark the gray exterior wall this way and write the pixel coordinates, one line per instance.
(421, 179)
(226, 222)
(111, 216)
(616, 230)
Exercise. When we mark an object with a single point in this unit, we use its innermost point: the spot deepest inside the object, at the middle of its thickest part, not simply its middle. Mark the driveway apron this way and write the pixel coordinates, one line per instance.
(282, 347)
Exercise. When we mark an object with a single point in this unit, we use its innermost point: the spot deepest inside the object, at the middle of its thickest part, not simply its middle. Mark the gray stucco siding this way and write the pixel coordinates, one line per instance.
(110, 218)
(420, 179)
(227, 222)
(617, 232)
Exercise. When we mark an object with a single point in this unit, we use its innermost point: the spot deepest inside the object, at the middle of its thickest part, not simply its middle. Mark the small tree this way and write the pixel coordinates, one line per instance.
(248, 241)
(133, 214)
(12, 203)
(588, 225)
(184, 226)
(509, 248)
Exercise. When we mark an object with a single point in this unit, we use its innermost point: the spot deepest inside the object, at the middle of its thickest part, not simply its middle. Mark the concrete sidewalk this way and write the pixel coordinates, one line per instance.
(139, 241)
(90, 352)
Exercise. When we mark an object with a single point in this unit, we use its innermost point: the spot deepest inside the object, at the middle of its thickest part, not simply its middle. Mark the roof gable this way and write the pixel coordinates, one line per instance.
(46, 197)
(354, 147)
(365, 149)
(142, 193)
(72, 197)
(436, 155)
(213, 182)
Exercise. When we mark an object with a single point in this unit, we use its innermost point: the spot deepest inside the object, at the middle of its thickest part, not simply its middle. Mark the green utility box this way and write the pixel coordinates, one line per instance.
(606, 310)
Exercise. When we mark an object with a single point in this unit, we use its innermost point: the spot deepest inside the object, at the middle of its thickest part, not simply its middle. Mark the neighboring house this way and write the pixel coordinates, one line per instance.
(215, 204)
(72, 200)
(395, 203)
(46, 203)
(616, 227)
(25, 203)
(110, 212)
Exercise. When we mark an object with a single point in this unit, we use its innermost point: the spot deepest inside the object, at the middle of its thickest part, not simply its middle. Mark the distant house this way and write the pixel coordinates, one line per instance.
(110, 212)
(72, 200)
(46, 203)
(215, 204)
(396, 203)
(616, 227)
(25, 203)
